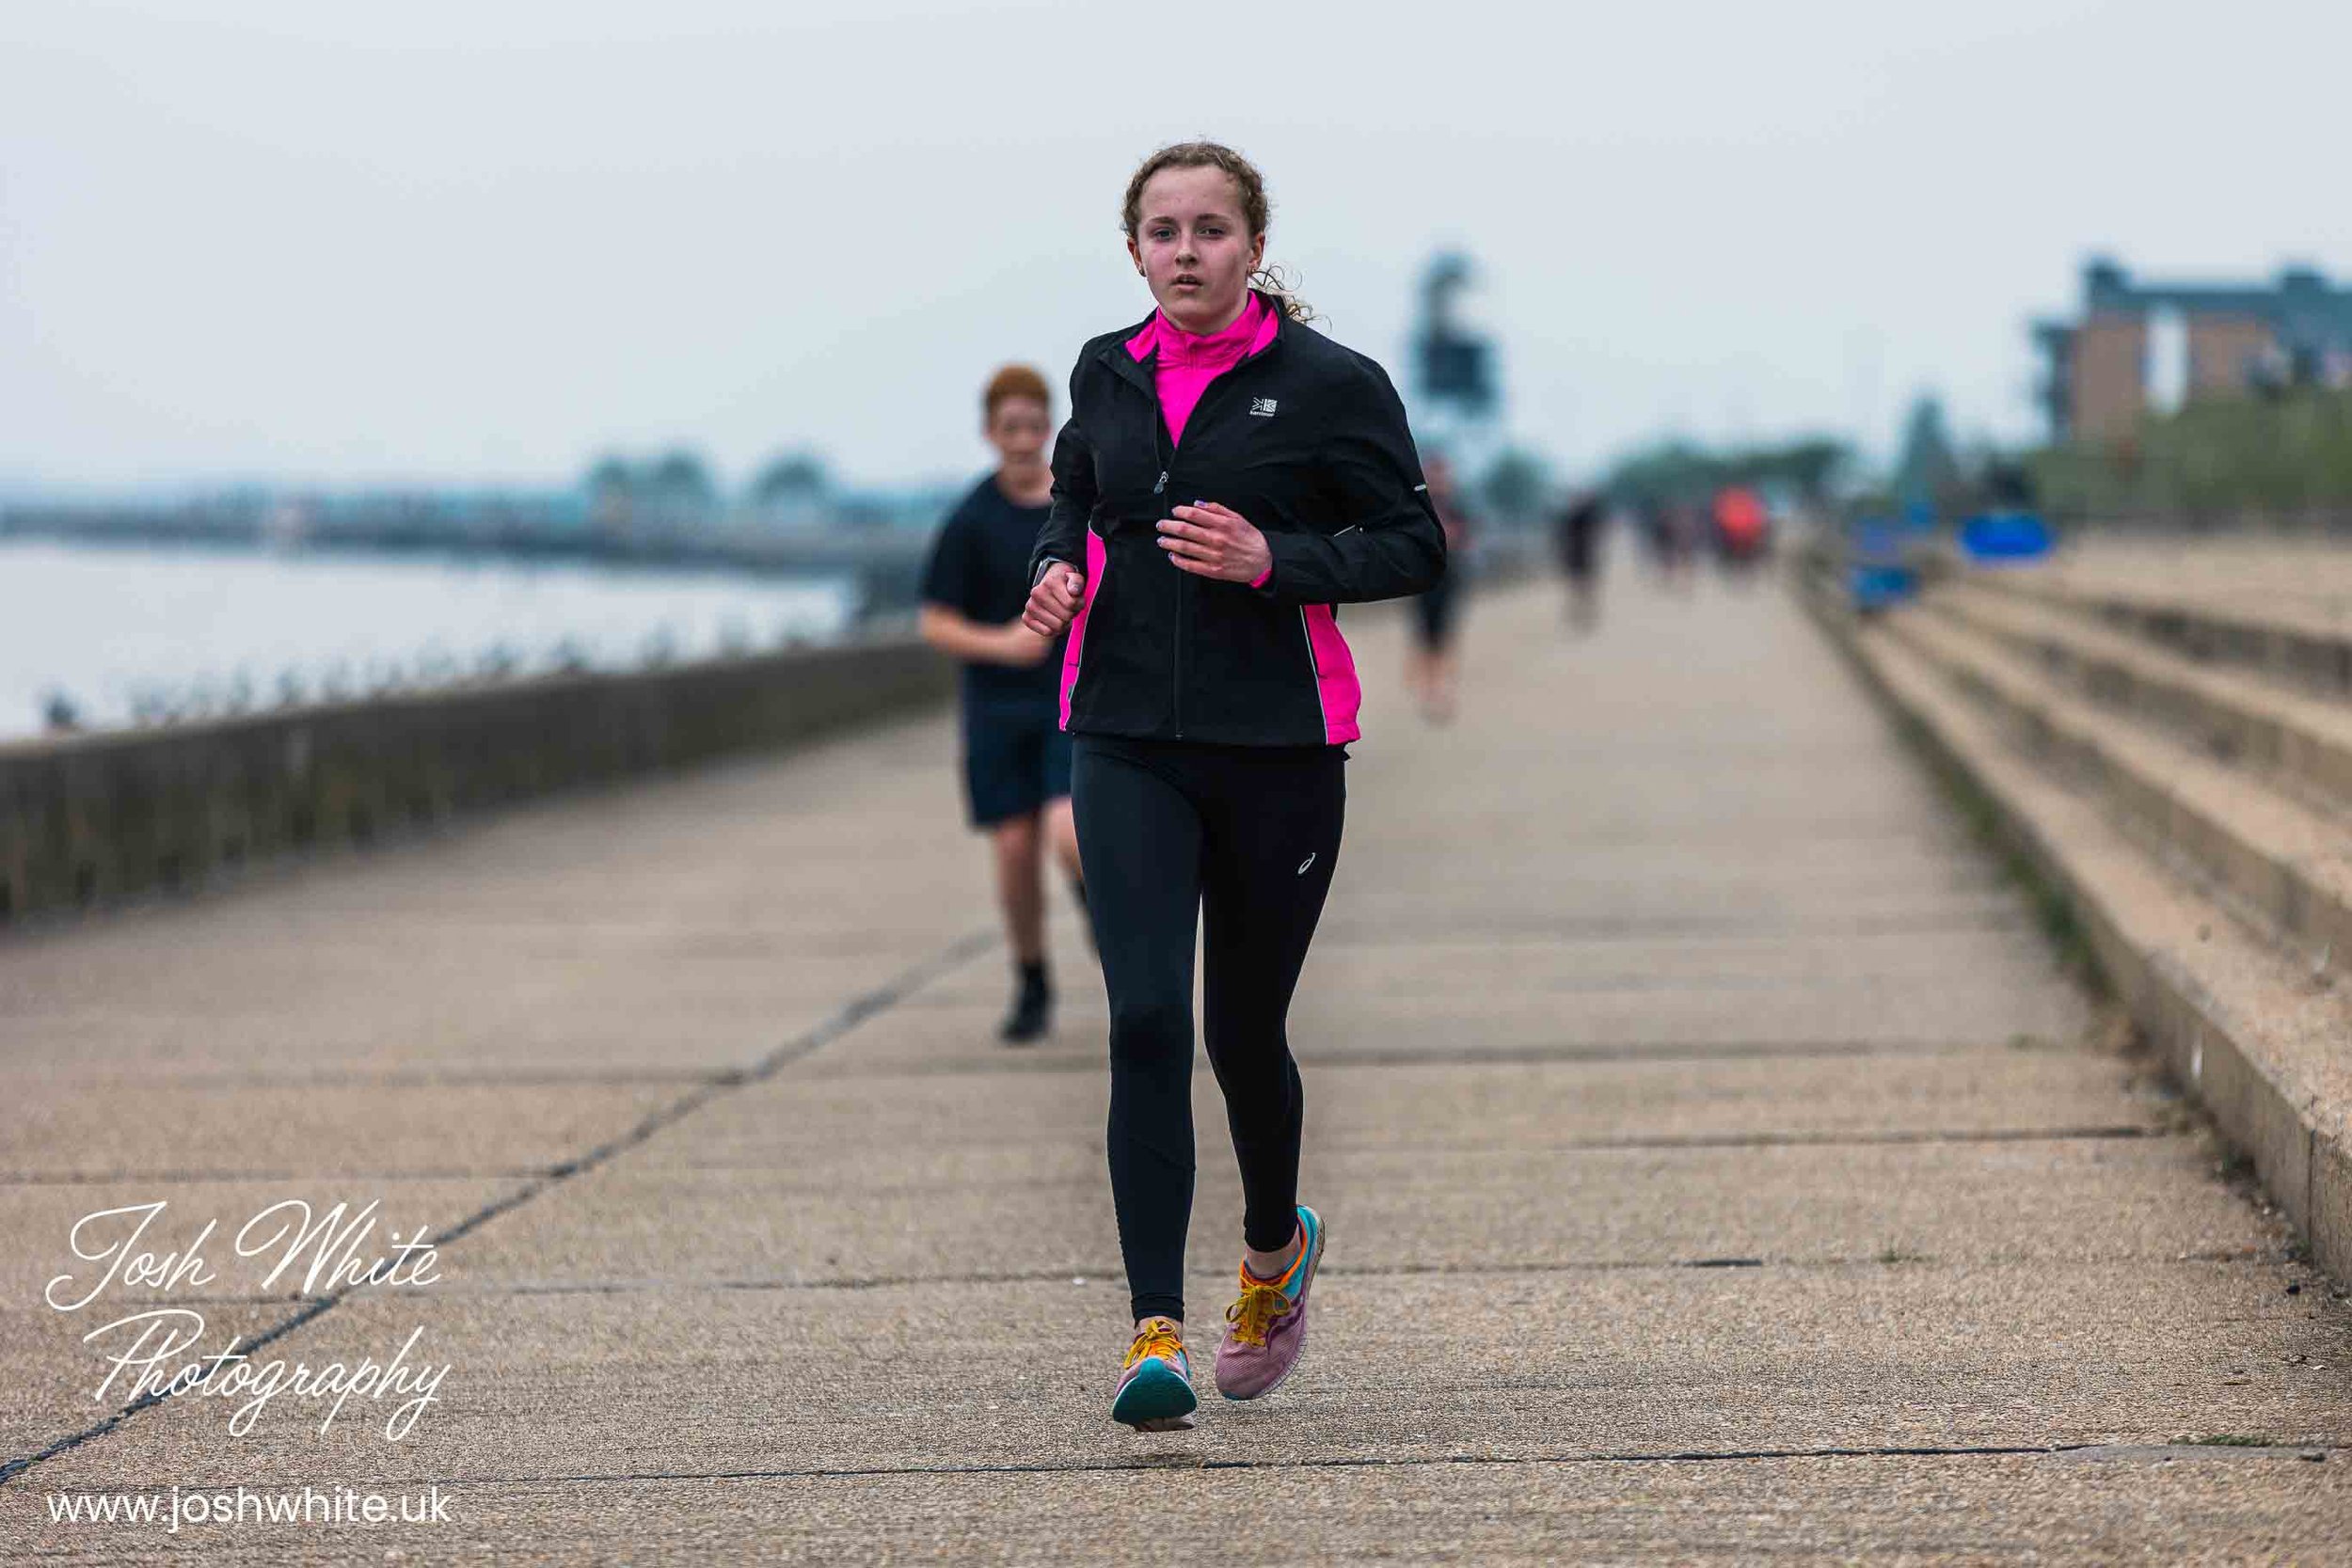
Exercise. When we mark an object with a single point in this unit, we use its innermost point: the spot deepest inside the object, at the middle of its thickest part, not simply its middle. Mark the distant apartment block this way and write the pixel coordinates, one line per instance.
(2141, 346)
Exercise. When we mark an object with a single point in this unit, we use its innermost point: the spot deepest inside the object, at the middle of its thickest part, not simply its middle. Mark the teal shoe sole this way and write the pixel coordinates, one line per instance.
(1156, 1393)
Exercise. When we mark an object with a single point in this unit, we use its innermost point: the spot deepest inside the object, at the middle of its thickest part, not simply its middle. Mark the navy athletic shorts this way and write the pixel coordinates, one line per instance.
(1015, 758)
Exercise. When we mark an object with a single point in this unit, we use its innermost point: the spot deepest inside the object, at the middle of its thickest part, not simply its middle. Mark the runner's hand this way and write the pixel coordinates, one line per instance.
(1213, 540)
(1054, 600)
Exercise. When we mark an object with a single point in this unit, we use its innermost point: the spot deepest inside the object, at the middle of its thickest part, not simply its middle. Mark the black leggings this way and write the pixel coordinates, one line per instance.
(1248, 834)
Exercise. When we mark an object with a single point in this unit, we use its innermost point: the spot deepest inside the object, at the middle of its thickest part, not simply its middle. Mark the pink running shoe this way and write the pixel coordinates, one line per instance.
(1267, 1327)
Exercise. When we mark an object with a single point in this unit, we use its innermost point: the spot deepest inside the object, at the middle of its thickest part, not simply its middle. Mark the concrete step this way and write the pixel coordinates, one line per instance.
(2241, 1023)
(2298, 742)
(2285, 867)
(2290, 644)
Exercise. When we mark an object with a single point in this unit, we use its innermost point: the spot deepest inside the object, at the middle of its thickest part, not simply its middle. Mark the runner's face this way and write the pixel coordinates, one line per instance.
(1018, 430)
(1193, 248)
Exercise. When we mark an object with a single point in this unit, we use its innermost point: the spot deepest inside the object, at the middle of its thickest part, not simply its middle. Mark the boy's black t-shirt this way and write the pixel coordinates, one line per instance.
(979, 567)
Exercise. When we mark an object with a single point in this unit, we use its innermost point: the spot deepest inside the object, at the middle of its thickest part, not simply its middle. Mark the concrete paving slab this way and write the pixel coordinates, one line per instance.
(527, 940)
(1492, 1365)
(1857, 1009)
(1043, 1211)
(1327, 1026)
(72, 1129)
(1376, 970)
(1648, 910)
(802, 1121)
(479, 1033)
(525, 968)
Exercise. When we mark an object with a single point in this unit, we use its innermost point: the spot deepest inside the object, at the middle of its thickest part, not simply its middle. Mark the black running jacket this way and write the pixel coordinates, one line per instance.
(1307, 440)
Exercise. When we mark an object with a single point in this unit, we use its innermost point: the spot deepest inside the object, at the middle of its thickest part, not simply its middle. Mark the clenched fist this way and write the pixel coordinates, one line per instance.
(1055, 600)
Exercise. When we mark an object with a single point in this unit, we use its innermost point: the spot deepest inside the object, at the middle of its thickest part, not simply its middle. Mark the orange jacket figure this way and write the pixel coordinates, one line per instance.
(1741, 520)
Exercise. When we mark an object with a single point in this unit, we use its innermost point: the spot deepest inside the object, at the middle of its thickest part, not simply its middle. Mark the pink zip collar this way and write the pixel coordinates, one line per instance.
(1189, 361)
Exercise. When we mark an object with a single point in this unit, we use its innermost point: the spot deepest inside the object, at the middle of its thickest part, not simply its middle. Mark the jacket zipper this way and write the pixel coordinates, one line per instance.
(1163, 450)
(1182, 610)
(1159, 427)
(1177, 669)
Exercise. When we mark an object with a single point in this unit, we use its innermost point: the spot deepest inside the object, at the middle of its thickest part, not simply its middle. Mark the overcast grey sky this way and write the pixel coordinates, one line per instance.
(484, 242)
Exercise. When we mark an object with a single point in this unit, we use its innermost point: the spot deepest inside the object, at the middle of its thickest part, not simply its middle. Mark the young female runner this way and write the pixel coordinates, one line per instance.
(1226, 477)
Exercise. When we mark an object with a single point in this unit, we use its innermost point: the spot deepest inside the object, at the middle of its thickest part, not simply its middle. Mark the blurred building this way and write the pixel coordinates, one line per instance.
(2142, 346)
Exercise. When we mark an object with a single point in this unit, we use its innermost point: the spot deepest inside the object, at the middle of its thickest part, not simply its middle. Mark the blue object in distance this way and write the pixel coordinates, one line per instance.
(2005, 536)
(1875, 586)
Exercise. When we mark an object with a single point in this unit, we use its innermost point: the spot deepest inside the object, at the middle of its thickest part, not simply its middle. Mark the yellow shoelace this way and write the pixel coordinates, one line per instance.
(1155, 1338)
(1255, 1312)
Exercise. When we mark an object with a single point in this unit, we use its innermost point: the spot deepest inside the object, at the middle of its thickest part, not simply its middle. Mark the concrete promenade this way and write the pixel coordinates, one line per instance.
(1720, 1165)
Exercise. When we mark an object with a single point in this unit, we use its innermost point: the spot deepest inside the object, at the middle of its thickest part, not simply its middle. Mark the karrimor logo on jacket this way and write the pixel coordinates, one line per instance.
(1261, 407)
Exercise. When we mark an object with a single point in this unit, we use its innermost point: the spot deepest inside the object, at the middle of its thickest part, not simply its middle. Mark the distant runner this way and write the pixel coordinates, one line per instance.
(1016, 759)
(1429, 659)
(1743, 526)
(1577, 536)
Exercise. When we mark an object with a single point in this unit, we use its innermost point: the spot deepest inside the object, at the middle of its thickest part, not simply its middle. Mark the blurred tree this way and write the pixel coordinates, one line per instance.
(1671, 470)
(1926, 473)
(681, 478)
(2286, 455)
(792, 476)
(612, 490)
(1514, 486)
(1677, 469)
(1810, 465)
(58, 714)
(611, 476)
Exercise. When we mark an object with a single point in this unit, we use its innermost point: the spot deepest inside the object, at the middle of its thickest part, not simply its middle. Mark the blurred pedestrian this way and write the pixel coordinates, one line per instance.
(1226, 477)
(1742, 527)
(1016, 759)
(1576, 537)
(1686, 526)
(1429, 670)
